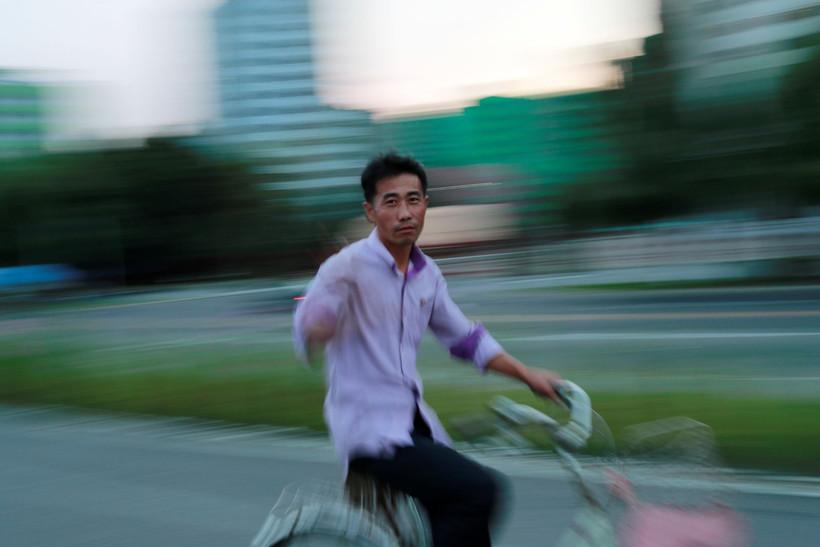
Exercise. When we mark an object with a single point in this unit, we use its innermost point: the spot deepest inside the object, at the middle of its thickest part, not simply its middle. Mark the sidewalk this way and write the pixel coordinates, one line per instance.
(304, 445)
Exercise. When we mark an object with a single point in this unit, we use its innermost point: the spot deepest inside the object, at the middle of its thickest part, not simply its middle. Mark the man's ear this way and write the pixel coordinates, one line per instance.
(369, 212)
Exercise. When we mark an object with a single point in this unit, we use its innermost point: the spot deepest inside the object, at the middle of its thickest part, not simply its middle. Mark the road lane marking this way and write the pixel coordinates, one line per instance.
(610, 336)
(289, 288)
(632, 316)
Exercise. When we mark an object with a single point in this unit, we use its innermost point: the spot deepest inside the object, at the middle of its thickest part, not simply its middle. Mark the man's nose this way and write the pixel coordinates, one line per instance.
(404, 211)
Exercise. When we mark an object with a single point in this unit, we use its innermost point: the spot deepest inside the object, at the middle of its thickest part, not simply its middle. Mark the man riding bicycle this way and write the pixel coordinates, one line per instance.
(368, 307)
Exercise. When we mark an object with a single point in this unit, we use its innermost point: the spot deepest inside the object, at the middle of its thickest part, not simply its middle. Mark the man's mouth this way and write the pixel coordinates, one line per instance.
(406, 229)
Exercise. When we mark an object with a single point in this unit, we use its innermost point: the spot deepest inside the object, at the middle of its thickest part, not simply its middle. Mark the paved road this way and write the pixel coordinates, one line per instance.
(751, 340)
(82, 480)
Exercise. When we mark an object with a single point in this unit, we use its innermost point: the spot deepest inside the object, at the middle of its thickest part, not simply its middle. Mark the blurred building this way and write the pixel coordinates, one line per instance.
(737, 50)
(269, 109)
(22, 122)
(730, 59)
(533, 145)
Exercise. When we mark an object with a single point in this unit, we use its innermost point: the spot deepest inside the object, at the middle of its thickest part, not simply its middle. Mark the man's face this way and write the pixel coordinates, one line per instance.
(398, 209)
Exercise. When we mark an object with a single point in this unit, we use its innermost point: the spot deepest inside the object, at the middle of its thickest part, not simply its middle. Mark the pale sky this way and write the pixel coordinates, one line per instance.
(141, 66)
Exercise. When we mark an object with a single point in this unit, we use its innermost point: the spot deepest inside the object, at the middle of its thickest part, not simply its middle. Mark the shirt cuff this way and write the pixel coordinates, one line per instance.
(478, 346)
(486, 350)
(310, 316)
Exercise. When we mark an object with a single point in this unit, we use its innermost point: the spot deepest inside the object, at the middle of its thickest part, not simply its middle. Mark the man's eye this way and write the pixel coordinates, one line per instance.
(414, 200)
(390, 203)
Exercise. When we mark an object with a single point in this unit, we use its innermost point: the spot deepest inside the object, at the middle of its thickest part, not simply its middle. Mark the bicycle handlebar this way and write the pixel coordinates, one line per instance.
(572, 435)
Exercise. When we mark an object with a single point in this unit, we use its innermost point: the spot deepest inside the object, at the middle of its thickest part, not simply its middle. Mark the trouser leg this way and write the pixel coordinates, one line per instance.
(458, 494)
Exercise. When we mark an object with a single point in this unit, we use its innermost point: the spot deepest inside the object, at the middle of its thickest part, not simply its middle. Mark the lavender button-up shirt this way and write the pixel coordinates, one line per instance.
(380, 316)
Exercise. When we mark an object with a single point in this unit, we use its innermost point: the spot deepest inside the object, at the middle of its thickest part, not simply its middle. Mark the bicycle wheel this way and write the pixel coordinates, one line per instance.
(319, 539)
(320, 515)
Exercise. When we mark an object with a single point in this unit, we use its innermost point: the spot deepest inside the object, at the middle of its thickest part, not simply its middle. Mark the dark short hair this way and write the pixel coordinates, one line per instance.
(388, 165)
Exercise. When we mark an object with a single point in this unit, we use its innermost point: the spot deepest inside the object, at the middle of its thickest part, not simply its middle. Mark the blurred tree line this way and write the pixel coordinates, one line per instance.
(164, 211)
(678, 164)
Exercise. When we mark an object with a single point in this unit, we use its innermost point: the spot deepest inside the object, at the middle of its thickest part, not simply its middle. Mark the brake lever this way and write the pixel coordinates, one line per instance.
(562, 391)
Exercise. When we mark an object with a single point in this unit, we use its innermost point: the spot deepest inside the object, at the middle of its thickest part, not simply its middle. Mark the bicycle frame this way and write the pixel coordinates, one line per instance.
(387, 520)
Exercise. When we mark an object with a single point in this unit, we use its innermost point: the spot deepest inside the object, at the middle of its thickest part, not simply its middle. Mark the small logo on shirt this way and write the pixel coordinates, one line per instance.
(423, 301)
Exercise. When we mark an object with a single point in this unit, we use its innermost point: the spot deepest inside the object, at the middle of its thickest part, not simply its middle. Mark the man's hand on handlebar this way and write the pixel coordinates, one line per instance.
(543, 382)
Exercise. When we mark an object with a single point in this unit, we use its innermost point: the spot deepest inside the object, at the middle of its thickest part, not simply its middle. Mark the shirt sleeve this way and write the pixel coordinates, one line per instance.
(323, 302)
(465, 339)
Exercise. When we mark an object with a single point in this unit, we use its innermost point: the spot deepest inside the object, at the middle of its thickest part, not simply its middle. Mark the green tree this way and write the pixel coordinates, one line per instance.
(800, 99)
(146, 214)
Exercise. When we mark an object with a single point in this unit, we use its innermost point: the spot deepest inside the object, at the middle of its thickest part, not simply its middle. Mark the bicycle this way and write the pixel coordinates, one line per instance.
(363, 514)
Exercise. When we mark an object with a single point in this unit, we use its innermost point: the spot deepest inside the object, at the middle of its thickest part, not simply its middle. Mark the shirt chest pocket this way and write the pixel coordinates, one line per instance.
(421, 308)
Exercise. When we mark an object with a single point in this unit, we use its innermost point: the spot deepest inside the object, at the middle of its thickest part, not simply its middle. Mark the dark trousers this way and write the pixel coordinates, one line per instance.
(458, 494)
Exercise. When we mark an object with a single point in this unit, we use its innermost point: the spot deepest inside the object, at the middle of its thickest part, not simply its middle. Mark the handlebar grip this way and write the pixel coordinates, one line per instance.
(562, 391)
(576, 432)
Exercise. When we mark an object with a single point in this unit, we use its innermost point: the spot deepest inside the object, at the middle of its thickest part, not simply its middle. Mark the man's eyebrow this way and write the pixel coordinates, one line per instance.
(389, 195)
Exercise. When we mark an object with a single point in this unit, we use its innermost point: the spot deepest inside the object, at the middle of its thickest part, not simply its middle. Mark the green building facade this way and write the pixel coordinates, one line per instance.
(545, 142)
(22, 128)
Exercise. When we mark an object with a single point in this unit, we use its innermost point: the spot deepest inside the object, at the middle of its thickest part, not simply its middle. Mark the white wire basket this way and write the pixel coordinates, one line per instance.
(676, 493)
(674, 461)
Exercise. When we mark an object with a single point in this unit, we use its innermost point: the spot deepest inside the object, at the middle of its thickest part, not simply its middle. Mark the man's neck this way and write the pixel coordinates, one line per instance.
(401, 254)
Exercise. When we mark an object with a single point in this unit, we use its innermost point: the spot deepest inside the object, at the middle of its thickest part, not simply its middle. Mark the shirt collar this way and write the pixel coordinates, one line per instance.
(417, 258)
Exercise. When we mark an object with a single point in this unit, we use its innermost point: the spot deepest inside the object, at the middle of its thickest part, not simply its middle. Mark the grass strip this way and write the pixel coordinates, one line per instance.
(751, 432)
